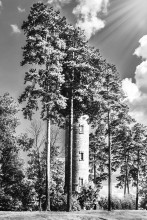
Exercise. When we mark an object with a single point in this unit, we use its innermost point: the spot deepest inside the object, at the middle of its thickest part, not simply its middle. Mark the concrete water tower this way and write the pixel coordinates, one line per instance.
(80, 154)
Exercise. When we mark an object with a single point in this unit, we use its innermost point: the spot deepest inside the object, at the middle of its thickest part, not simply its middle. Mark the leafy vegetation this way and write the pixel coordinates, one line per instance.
(127, 202)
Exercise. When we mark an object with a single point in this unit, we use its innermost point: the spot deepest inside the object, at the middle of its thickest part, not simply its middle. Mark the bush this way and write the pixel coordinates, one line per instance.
(88, 196)
(5, 201)
(8, 203)
(128, 202)
(58, 201)
(143, 203)
(75, 203)
(118, 203)
(103, 203)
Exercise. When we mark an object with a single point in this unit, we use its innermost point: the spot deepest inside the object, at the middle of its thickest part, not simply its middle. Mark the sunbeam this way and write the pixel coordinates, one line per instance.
(126, 23)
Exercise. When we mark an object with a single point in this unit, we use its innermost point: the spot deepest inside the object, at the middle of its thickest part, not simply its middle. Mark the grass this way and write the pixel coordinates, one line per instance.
(82, 215)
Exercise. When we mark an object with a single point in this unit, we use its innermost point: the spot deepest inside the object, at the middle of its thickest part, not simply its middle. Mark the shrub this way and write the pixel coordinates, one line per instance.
(128, 202)
(118, 203)
(5, 201)
(103, 203)
(58, 201)
(143, 203)
(75, 203)
(88, 196)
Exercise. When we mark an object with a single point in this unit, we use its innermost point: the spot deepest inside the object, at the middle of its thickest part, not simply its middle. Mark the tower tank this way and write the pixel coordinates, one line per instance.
(80, 154)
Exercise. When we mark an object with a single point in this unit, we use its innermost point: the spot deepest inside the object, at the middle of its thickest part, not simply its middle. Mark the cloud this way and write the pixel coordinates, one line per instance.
(131, 90)
(21, 10)
(137, 92)
(141, 76)
(136, 100)
(1, 5)
(58, 3)
(15, 29)
(87, 12)
(141, 51)
(88, 15)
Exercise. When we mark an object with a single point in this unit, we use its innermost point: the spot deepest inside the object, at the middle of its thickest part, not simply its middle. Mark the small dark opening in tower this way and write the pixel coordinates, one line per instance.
(81, 155)
(81, 129)
(80, 181)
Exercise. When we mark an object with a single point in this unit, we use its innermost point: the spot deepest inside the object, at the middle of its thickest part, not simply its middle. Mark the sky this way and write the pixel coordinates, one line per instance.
(118, 28)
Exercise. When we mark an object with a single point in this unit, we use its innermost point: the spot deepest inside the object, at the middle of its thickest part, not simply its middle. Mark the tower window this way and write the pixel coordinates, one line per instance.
(80, 181)
(81, 155)
(81, 129)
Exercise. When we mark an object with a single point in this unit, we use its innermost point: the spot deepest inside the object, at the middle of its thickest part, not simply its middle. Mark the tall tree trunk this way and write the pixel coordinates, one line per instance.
(40, 208)
(137, 181)
(125, 184)
(71, 118)
(48, 164)
(39, 172)
(48, 144)
(40, 194)
(125, 180)
(69, 187)
(128, 188)
(94, 169)
(109, 167)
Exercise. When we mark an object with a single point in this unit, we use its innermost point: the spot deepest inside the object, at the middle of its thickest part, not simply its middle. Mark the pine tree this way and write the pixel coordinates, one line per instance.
(111, 112)
(78, 87)
(123, 143)
(139, 156)
(44, 52)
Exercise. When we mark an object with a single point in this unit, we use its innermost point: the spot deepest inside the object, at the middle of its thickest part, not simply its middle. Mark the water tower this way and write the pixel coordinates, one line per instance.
(80, 154)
